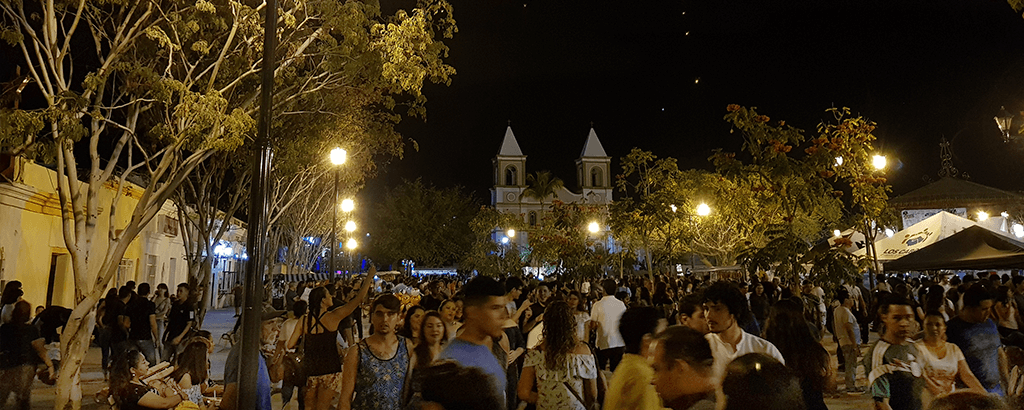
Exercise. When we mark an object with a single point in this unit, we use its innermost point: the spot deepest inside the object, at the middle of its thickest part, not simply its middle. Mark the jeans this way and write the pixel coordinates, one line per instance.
(17, 380)
(612, 356)
(850, 353)
(103, 340)
(147, 347)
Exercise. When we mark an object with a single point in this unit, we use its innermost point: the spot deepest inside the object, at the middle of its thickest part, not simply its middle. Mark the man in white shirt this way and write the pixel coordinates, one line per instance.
(606, 313)
(723, 304)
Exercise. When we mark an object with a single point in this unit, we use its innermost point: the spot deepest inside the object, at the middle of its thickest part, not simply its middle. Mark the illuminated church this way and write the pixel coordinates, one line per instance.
(593, 177)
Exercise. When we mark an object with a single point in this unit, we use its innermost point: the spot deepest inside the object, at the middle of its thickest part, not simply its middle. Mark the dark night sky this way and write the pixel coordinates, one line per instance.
(920, 69)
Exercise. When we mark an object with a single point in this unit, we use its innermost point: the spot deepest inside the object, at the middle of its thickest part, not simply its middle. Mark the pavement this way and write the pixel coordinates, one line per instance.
(219, 322)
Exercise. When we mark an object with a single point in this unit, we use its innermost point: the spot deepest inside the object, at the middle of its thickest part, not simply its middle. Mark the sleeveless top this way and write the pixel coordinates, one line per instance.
(323, 349)
(379, 382)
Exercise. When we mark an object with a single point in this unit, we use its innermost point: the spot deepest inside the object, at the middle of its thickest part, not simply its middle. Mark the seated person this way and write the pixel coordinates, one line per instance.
(131, 393)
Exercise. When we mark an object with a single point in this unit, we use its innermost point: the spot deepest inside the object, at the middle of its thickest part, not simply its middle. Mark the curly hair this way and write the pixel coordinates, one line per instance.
(121, 374)
(559, 334)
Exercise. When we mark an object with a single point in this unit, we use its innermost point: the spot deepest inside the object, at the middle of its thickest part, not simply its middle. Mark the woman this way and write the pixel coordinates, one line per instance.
(192, 371)
(788, 329)
(448, 311)
(320, 328)
(163, 307)
(562, 368)
(106, 323)
(292, 377)
(11, 295)
(1005, 311)
(942, 361)
(21, 347)
(581, 315)
(413, 323)
(934, 300)
(430, 343)
(131, 393)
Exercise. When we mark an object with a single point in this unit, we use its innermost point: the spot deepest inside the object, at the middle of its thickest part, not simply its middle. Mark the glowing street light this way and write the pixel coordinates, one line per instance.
(879, 162)
(351, 244)
(593, 227)
(839, 161)
(348, 205)
(504, 240)
(350, 226)
(703, 209)
(837, 233)
(511, 233)
(338, 156)
(982, 215)
(673, 207)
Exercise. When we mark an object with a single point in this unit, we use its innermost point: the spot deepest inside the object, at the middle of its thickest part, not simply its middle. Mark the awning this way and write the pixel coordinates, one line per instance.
(919, 236)
(974, 247)
(291, 277)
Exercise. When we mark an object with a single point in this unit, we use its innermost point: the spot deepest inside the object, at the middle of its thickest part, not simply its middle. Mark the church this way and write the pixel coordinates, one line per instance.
(593, 177)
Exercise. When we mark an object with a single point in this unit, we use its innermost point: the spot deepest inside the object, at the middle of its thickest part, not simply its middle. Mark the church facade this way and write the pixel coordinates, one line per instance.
(593, 177)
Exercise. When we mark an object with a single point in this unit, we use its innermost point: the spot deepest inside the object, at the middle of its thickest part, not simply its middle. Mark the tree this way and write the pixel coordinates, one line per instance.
(489, 257)
(563, 242)
(152, 89)
(428, 225)
(540, 186)
(640, 218)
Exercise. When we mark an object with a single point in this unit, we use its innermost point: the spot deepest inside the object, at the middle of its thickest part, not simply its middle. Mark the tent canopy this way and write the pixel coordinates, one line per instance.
(972, 248)
(922, 234)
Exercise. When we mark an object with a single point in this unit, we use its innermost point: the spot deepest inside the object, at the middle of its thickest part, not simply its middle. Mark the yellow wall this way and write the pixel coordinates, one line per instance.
(31, 233)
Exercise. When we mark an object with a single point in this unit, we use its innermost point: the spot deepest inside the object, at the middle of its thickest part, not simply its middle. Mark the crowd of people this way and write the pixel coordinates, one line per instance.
(635, 343)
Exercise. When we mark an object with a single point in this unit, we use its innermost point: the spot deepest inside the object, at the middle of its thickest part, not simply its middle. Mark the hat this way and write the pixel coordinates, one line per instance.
(270, 313)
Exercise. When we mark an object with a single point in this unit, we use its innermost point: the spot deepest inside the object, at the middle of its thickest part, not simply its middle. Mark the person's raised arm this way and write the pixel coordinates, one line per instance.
(339, 313)
(967, 376)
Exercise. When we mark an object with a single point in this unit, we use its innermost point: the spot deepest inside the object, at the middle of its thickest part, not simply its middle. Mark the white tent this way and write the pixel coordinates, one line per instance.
(933, 229)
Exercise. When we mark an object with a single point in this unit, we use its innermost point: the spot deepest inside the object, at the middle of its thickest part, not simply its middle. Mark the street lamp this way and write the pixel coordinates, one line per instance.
(1004, 121)
(879, 162)
(347, 205)
(511, 233)
(350, 226)
(338, 156)
(593, 227)
(982, 215)
(703, 209)
(351, 246)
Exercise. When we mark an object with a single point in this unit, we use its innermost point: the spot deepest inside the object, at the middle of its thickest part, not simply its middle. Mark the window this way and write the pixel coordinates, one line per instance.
(125, 270)
(533, 218)
(596, 177)
(510, 175)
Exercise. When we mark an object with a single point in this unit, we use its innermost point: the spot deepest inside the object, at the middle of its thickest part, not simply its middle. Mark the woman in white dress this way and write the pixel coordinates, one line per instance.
(561, 367)
(583, 324)
(942, 362)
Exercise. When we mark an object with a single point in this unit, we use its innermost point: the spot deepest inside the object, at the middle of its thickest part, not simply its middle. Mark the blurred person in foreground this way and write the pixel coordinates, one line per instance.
(630, 386)
(969, 400)
(723, 306)
(788, 329)
(21, 347)
(561, 367)
(977, 335)
(484, 316)
(942, 362)
(683, 369)
(758, 381)
(449, 386)
(894, 372)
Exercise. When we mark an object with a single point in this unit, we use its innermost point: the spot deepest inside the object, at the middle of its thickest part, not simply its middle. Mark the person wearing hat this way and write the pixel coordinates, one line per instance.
(263, 383)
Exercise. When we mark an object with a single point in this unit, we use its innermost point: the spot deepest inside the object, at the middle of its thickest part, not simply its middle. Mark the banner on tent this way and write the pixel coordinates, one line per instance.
(912, 216)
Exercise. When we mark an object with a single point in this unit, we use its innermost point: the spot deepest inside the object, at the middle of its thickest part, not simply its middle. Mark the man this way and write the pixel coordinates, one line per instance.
(263, 382)
(541, 294)
(484, 315)
(434, 297)
(142, 335)
(179, 321)
(723, 306)
(691, 314)
(606, 313)
(894, 373)
(630, 386)
(1018, 294)
(683, 366)
(236, 298)
(978, 338)
(513, 289)
(848, 333)
(384, 389)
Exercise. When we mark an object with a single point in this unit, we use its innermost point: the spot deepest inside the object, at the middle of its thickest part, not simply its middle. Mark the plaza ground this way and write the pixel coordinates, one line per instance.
(219, 322)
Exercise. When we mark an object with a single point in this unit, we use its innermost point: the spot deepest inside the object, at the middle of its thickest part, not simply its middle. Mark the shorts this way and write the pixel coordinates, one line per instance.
(329, 381)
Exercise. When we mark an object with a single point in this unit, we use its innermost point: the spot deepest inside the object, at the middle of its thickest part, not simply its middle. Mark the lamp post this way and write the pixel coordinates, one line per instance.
(351, 246)
(338, 156)
(1004, 121)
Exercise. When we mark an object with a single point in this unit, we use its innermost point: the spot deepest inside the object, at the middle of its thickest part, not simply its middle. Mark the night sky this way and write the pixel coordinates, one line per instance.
(920, 69)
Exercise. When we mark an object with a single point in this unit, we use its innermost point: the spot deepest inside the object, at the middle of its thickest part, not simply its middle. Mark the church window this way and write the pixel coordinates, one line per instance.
(533, 218)
(510, 175)
(596, 177)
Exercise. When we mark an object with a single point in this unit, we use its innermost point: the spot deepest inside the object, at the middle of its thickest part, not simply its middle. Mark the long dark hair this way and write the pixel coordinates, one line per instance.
(12, 291)
(789, 331)
(407, 327)
(316, 298)
(194, 361)
(559, 334)
(422, 349)
(121, 374)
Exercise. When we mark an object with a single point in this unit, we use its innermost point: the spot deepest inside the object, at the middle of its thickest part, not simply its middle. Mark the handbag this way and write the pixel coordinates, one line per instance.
(294, 366)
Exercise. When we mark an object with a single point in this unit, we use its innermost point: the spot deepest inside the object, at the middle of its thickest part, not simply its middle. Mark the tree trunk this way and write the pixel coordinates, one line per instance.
(203, 279)
(74, 342)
